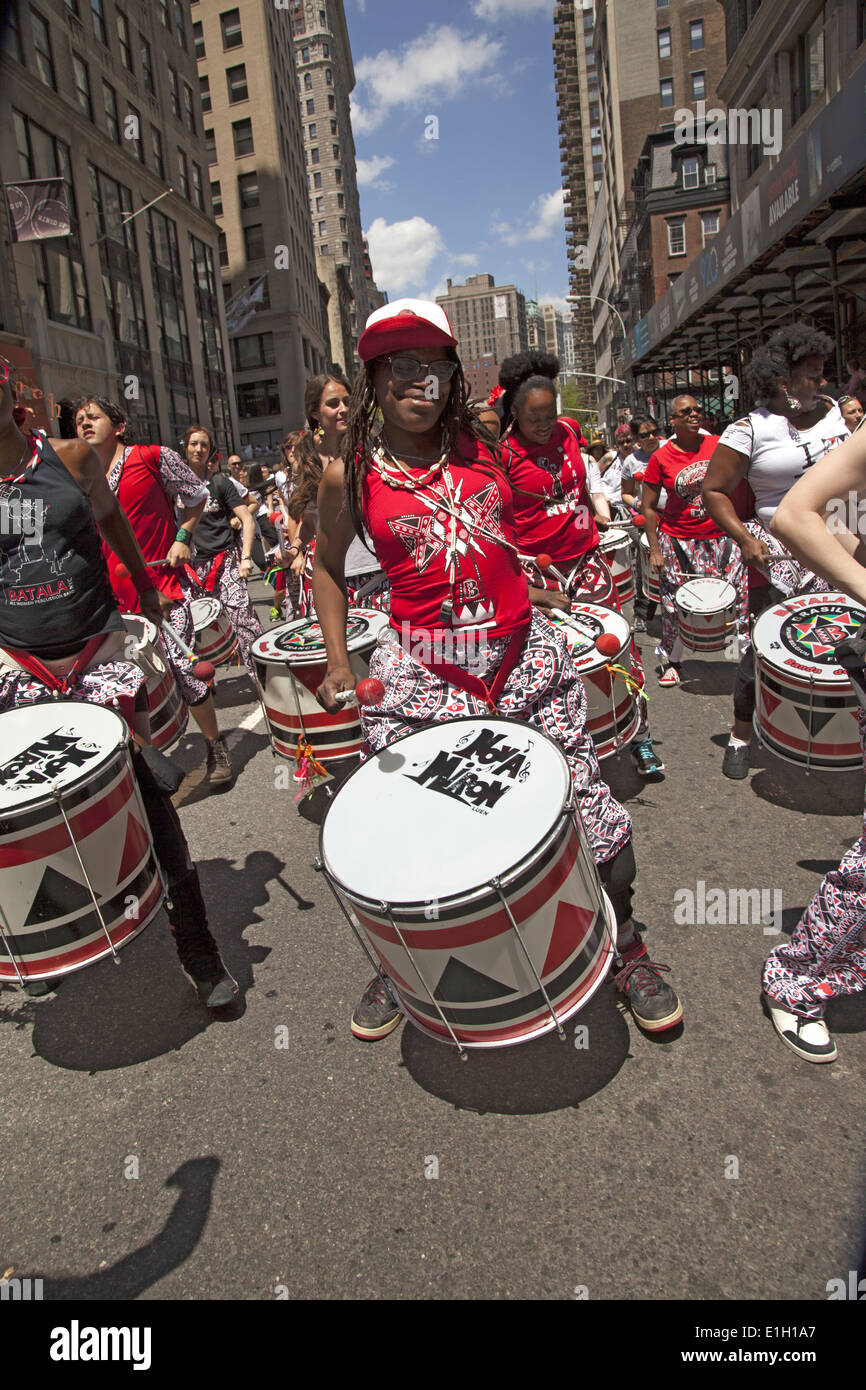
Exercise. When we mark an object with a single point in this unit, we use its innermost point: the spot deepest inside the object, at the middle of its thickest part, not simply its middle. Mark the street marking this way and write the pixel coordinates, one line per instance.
(250, 722)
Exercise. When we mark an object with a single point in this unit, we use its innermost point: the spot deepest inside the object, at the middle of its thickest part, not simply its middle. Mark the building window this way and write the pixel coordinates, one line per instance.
(691, 172)
(317, 180)
(328, 78)
(314, 155)
(12, 34)
(311, 107)
(338, 176)
(97, 14)
(198, 40)
(305, 55)
(188, 109)
(42, 45)
(58, 261)
(808, 64)
(323, 229)
(343, 224)
(696, 35)
(248, 190)
(308, 82)
(677, 237)
(861, 22)
(230, 24)
(333, 127)
(216, 198)
(82, 85)
(345, 248)
(179, 24)
(236, 81)
(204, 93)
(242, 134)
(183, 170)
(699, 85)
(326, 52)
(197, 187)
(323, 249)
(135, 140)
(112, 123)
(156, 150)
(312, 129)
(341, 201)
(253, 350)
(123, 40)
(335, 151)
(223, 249)
(667, 91)
(254, 242)
(664, 38)
(257, 398)
(320, 205)
(709, 225)
(163, 15)
(332, 103)
(174, 93)
(146, 64)
(210, 146)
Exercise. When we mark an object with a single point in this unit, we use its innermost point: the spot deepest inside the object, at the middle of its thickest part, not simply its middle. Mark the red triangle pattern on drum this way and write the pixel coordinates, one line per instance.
(770, 702)
(134, 848)
(569, 928)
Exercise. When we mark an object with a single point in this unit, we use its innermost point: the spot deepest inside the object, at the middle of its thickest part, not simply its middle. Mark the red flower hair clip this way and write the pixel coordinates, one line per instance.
(495, 394)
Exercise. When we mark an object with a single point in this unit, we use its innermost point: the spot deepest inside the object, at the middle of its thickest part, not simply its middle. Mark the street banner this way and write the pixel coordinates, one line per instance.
(38, 209)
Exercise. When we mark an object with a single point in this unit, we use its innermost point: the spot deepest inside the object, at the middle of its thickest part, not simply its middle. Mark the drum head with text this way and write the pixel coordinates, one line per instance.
(301, 641)
(799, 636)
(583, 626)
(440, 812)
(706, 594)
(56, 744)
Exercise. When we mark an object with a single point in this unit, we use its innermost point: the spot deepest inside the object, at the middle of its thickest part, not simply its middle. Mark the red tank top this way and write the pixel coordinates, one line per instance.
(151, 515)
(552, 507)
(411, 532)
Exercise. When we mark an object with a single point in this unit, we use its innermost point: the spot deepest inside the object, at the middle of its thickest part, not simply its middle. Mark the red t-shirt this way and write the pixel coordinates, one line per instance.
(410, 535)
(682, 474)
(560, 525)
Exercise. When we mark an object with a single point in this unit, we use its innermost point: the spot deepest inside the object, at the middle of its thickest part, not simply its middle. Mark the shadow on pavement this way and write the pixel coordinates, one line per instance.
(234, 687)
(530, 1078)
(116, 1015)
(818, 793)
(194, 788)
(137, 1272)
(707, 677)
(848, 1014)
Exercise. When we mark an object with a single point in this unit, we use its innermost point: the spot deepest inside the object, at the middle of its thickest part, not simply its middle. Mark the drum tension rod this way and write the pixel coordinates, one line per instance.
(386, 909)
(495, 884)
(56, 793)
(4, 928)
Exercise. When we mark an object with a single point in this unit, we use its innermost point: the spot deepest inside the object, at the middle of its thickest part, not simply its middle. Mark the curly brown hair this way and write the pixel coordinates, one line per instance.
(309, 476)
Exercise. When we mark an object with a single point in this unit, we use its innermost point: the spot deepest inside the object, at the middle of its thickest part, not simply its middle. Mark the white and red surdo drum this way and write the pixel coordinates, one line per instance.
(616, 549)
(805, 708)
(290, 663)
(706, 609)
(612, 714)
(166, 710)
(469, 878)
(78, 877)
(649, 577)
(215, 639)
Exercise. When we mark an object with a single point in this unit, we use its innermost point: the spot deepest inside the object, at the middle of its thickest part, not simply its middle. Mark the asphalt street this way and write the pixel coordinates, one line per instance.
(150, 1150)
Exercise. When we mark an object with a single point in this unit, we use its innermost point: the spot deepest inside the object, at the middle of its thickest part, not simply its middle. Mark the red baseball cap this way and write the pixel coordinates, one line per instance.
(407, 323)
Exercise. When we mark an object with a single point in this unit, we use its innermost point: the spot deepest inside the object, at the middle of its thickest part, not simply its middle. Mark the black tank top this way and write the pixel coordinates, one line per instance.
(213, 532)
(54, 589)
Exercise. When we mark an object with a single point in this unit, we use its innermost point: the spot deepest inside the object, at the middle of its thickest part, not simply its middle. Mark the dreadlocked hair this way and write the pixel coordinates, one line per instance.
(782, 350)
(309, 476)
(522, 373)
(364, 424)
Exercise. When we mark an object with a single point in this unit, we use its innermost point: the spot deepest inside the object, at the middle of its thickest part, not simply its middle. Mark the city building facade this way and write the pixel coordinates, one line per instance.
(489, 323)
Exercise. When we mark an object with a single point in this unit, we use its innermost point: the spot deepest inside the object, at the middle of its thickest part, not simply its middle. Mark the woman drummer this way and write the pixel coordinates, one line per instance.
(553, 513)
(431, 494)
(791, 428)
(684, 541)
(221, 567)
(71, 641)
(826, 954)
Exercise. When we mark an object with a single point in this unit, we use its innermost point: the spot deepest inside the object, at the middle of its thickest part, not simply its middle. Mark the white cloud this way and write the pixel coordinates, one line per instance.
(402, 252)
(521, 9)
(546, 219)
(468, 258)
(558, 301)
(433, 67)
(368, 171)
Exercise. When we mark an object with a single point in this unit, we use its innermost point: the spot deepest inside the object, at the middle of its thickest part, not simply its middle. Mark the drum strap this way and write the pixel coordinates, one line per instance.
(212, 577)
(685, 562)
(34, 667)
(455, 675)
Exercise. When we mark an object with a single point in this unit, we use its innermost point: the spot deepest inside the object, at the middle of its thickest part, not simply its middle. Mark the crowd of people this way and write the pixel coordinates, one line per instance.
(483, 518)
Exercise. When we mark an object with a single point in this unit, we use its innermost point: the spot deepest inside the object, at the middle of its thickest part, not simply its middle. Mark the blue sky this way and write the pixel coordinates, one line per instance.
(486, 194)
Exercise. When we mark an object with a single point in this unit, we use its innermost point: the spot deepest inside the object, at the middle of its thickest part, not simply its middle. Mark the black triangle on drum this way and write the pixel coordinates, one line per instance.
(57, 896)
(460, 984)
(815, 719)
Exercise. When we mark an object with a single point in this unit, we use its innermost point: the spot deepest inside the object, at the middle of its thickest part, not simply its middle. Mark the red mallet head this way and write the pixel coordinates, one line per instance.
(122, 572)
(274, 517)
(639, 477)
(369, 691)
(204, 671)
(607, 644)
(543, 561)
(638, 520)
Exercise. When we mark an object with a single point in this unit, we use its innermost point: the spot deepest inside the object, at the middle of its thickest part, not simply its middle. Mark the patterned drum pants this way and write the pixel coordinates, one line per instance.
(544, 689)
(826, 955)
(685, 558)
(233, 594)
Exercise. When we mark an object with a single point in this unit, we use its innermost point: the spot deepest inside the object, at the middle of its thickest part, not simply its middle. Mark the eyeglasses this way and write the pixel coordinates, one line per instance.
(410, 369)
(647, 434)
(691, 411)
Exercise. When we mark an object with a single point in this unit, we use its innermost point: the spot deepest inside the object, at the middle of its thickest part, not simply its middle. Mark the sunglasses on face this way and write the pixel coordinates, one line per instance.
(684, 413)
(647, 434)
(410, 369)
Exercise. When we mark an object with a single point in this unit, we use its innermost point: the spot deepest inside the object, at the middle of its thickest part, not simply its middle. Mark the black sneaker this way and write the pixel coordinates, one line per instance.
(653, 1003)
(647, 762)
(640, 624)
(376, 1014)
(736, 762)
(197, 951)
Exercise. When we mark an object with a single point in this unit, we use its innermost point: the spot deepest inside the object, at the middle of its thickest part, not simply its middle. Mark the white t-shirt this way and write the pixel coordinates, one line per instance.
(609, 482)
(360, 558)
(779, 454)
(636, 462)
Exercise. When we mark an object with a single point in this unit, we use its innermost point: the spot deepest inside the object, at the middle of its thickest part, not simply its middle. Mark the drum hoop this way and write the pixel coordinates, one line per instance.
(50, 798)
(803, 677)
(213, 606)
(451, 899)
(361, 644)
(707, 612)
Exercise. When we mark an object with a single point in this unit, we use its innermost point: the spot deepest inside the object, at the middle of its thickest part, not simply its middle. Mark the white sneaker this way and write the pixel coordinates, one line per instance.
(808, 1037)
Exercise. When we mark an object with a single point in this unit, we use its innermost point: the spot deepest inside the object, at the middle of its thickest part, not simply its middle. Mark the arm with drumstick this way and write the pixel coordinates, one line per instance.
(807, 519)
(727, 469)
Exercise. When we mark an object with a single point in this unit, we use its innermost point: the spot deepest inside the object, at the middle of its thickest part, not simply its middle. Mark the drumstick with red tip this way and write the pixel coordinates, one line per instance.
(123, 573)
(607, 644)
(202, 670)
(366, 692)
(546, 565)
